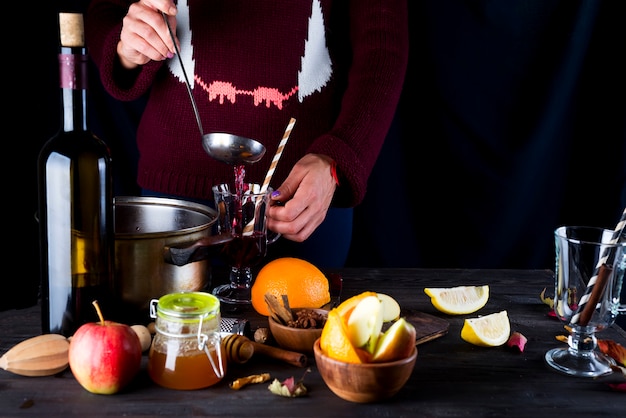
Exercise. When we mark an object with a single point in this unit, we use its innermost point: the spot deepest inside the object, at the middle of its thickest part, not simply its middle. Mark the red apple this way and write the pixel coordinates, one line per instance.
(396, 343)
(104, 356)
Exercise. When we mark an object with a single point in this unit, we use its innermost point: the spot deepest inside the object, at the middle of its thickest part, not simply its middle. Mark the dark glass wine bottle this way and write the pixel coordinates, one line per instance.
(75, 201)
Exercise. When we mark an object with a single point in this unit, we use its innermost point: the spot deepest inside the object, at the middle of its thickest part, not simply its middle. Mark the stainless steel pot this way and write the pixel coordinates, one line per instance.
(146, 228)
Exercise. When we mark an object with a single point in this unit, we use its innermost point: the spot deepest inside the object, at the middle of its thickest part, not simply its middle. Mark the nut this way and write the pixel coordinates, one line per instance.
(145, 338)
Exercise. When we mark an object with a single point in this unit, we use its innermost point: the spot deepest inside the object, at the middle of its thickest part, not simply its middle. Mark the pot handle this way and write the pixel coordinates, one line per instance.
(198, 250)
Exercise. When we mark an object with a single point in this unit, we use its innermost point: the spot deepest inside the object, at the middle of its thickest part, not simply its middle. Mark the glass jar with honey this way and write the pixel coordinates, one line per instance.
(186, 351)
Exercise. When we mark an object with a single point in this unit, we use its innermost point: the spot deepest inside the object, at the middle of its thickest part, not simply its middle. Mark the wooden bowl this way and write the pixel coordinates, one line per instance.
(364, 382)
(300, 340)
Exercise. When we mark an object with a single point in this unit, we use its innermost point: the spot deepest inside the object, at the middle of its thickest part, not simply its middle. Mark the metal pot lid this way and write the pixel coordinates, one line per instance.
(150, 217)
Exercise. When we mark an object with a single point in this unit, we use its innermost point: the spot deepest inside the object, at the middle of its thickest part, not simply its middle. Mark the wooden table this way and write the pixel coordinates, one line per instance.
(452, 378)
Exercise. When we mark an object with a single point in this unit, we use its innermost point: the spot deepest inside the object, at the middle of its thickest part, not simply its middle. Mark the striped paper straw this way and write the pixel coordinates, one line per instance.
(619, 229)
(279, 152)
(248, 229)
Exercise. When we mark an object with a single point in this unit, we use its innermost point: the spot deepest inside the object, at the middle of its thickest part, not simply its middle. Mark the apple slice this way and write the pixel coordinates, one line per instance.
(346, 307)
(365, 323)
(396, 343)
(391, 307)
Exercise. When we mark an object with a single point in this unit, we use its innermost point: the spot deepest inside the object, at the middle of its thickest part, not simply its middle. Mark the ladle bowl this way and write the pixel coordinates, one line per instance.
(232, 149)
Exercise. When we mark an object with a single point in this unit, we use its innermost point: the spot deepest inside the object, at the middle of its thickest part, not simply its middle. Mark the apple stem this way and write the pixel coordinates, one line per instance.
(95, 303)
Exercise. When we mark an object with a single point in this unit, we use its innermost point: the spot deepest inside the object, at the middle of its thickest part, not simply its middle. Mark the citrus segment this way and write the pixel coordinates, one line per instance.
(458, 300)
(303, 283)
(334, 341)
(487, 331)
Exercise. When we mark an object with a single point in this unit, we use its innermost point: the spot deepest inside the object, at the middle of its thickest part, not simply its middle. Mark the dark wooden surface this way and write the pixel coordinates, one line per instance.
(451, 378)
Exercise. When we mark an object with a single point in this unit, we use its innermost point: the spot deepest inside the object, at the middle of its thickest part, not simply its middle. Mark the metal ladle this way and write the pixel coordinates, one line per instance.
(228, 148)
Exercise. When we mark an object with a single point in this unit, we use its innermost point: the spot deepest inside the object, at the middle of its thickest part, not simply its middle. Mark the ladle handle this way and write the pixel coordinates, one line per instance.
(182, 67)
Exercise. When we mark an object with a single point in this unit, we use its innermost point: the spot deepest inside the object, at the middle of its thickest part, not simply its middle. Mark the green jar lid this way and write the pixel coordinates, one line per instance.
(188, 305)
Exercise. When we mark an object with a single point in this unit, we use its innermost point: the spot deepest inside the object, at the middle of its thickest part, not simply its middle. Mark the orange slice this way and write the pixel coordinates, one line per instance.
(335, 342)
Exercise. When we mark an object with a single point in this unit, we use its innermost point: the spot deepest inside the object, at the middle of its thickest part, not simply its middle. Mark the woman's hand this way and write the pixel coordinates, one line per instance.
(305, 195)
(144, 35)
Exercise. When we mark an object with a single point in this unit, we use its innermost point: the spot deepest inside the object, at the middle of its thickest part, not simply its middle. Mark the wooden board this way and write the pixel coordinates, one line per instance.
(428, 327)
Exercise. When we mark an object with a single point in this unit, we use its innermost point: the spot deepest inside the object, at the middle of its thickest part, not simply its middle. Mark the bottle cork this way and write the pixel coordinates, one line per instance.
(72, 29)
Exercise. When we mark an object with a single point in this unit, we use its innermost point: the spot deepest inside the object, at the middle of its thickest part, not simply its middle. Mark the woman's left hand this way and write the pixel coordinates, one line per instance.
(305, 197)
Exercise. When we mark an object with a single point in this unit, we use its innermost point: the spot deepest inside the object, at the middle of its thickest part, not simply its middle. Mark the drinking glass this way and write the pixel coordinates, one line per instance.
(589, 274)
(242, 215)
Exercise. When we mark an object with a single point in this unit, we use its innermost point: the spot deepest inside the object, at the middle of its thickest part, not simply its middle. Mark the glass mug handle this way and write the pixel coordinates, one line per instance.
(621, 308)
(272, 236)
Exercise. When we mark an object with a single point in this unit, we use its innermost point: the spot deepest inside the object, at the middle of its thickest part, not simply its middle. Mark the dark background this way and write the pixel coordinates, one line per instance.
(512, 122)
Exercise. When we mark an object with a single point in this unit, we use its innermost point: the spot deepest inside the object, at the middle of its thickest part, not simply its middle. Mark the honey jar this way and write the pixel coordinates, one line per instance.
(186, 351)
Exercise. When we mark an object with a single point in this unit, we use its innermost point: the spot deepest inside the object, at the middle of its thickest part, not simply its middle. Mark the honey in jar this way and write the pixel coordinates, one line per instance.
(186, 352)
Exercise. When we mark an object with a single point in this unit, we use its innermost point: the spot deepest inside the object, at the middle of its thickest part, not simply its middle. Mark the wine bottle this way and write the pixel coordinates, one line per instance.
(75, 201)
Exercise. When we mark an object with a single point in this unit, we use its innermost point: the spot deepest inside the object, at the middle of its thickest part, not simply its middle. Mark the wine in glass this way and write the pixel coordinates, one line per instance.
(242, 215)
(589, 273)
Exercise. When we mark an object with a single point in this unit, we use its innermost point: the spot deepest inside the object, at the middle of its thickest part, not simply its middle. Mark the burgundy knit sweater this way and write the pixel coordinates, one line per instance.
(337, 67)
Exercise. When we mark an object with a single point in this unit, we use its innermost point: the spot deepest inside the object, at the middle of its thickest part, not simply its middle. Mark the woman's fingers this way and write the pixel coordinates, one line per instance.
(145, 35)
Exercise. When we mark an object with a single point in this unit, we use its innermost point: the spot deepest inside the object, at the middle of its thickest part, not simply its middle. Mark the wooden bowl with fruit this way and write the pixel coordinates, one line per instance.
(364, 382)
(366, 352)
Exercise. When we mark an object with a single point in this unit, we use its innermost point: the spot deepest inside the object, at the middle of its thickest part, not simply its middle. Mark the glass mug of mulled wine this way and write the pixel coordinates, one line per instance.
(241, 214)
(590, 263)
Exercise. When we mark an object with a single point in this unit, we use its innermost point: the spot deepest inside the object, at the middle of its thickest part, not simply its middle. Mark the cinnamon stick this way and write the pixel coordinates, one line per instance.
(603, 274)
(291, 357)
(281, 313)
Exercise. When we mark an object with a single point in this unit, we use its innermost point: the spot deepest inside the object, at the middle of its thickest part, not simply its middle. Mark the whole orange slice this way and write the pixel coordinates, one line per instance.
(335, 342)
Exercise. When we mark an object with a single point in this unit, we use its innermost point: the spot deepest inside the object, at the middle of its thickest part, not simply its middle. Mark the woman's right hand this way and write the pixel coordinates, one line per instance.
(144, 35)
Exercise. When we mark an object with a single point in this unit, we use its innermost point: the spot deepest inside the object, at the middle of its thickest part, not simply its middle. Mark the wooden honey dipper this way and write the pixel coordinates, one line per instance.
(239, 349)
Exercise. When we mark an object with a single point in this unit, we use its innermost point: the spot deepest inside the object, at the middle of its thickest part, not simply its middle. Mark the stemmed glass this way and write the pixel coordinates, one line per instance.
(589, 274)
(242, 215)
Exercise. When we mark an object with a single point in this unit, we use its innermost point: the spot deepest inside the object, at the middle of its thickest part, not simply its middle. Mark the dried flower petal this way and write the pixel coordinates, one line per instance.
(613, 349)
(289, 388)
(290, 384)
(547, 300)
(619, 387)
(517, 339)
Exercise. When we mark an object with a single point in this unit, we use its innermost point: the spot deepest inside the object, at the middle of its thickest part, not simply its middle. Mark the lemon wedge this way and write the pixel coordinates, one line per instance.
(487, 331)
(458, 300)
